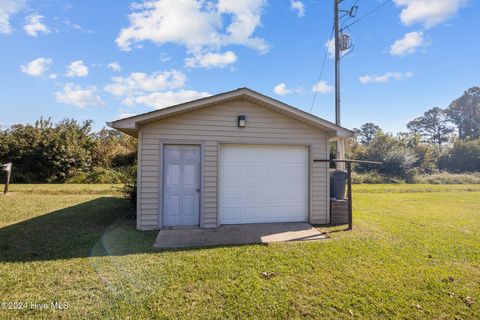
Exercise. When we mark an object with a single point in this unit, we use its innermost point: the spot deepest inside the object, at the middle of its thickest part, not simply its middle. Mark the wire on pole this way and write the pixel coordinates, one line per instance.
(369, 13)
(321, 70)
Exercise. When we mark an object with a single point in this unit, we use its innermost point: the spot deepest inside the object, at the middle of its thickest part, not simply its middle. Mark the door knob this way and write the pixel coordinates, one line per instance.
(197, 190)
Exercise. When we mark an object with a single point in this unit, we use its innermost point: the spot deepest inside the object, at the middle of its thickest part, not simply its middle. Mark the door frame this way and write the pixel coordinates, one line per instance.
(161, 177)
(308, 180)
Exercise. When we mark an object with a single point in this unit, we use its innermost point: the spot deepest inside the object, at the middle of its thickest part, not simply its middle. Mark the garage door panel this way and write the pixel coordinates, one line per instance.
(231, 213)
(291, 210)
(256, 172)
(272, 212)
(255, 193)
(263, 184)
(232, 192)
(232, 171)
(294, 194)
(252, 212)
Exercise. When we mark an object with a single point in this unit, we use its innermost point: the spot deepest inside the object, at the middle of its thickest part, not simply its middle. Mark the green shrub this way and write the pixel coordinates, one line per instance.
(47, 152)
(129, 189)
(98, 175)
(434, 178)
(397, 159)
(372, 177)
(463, 156)
(449, 178)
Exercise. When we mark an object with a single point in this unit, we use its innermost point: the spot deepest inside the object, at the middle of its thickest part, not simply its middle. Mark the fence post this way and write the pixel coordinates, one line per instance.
(349, 195)
(8, 172)
(349, 183)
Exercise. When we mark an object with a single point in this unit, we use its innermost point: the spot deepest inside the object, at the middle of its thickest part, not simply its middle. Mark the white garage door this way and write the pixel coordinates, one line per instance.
(263, 184)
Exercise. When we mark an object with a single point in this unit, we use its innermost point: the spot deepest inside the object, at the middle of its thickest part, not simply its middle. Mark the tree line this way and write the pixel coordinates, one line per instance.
(70, 151)
(440, 140)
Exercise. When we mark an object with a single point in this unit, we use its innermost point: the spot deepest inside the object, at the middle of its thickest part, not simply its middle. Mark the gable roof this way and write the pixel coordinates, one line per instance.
(132, 124)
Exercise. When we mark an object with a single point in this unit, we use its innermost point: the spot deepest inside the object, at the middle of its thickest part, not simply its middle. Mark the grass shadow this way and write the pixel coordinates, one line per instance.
(91, 229)
(328, 229)
(74, 232)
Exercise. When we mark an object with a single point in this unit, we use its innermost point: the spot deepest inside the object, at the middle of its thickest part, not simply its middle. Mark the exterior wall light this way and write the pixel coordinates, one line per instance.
(242, 121)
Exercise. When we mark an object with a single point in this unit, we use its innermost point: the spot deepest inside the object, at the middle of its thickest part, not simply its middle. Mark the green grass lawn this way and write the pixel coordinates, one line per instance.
(414, 253)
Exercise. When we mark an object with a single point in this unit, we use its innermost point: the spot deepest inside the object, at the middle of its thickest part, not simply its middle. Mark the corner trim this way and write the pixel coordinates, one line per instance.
(139, 180)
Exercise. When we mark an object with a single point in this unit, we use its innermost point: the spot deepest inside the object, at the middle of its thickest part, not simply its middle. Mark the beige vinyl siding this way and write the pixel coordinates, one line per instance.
(139, 178)
(212, 126)
(210, 182)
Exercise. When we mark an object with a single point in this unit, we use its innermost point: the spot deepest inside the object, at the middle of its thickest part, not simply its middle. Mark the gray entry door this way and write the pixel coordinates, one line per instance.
(181, 185)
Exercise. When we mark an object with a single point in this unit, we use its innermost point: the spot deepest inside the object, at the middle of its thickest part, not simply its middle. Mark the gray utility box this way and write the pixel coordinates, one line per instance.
(338, 181)
(338, 211)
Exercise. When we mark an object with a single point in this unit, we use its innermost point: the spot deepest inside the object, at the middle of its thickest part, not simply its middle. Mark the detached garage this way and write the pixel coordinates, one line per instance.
(234, 158)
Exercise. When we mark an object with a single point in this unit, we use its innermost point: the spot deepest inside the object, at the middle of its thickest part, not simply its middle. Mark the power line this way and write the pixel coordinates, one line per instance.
(355, 4)
(321, 70)
(370, 12)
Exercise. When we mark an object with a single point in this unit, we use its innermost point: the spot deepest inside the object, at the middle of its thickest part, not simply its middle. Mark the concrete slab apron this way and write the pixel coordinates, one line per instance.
(237, 235)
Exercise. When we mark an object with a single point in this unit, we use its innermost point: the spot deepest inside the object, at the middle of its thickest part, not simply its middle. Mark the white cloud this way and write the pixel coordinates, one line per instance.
(428, 12)
(37, 67)
(138, 83)
(115, 66)
(77, 69)
(408, 44)
(159, 100)
(385, 77)
(298, 6)
(195, 24)
(282, 89)
(33, 25)
(5, 27)
(157, 90)
(53, 76)
(322, 87)
(330, 45)
(7, 9)
(161, 22)
(164, 57)
(72, 25)
(211, 60)
(78, 96)
(76, 26)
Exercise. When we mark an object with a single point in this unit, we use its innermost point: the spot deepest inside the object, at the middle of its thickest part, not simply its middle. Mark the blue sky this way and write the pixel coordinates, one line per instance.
(102, 60)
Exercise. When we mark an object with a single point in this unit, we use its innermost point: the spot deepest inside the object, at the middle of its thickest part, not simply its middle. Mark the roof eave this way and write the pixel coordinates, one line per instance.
(129, 130)
(132, 124)
(324, 124)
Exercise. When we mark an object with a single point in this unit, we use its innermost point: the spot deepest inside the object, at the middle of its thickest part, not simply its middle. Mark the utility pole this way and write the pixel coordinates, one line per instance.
(339, 142)
(337, 63)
